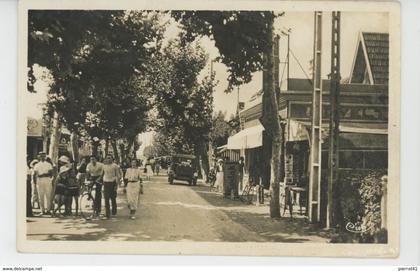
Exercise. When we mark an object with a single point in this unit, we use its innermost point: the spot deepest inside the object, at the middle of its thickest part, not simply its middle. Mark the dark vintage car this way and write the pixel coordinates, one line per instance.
(183, 167)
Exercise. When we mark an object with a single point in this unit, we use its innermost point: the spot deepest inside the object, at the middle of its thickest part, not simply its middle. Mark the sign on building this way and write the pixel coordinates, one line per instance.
(34, 127)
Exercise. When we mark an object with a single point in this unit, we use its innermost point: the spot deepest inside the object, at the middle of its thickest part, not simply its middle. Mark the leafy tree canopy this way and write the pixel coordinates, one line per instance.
(240, 36)
(184, 104)
(97, 60)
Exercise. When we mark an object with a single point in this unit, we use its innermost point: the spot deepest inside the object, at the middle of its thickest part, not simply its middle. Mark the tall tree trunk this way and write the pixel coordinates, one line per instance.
(106, 146)
(131, 149)
(115, 150)
(55, 138)
(95, 147)
(200, 151)
(45, 134)
(74, 143)
(198, 159)
(123, 154)
(205, 160)
(271, 122)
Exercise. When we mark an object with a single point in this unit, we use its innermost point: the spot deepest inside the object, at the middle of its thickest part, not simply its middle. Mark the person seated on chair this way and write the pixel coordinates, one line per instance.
(67, 176)
(59, 189)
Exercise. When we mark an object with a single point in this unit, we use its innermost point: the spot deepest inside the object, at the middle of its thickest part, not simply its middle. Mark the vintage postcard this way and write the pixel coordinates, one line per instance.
(254, 128)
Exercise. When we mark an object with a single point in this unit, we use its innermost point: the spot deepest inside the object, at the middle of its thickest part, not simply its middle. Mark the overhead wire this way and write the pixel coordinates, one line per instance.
(300, 65)
(282, 74)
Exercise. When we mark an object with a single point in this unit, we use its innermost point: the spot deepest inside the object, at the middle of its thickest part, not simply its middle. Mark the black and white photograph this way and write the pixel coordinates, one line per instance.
(209, 129)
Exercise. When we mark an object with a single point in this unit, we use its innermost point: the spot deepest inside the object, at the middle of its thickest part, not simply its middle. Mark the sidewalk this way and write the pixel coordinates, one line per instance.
(257, 219)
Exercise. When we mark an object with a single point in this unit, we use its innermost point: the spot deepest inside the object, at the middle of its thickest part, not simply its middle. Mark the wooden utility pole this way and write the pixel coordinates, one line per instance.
(276, 55)
(287, 34)
(288, 58)
(334, 121)
(315, 157)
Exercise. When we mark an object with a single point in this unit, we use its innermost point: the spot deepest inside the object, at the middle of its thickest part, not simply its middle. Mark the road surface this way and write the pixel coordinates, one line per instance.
(179, 212)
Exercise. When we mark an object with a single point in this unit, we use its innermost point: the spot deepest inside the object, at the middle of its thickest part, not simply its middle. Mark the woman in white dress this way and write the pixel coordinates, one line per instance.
(134, 180)
(149, 170)
(219, 176)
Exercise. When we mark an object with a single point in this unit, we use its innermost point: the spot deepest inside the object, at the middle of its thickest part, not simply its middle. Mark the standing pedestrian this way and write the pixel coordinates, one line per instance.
(94, 173)
(149, 170)
(28, 192)
(110, 179)
(134, 180)
(43, 172)
(157, 167)
(241, 173)
(219, 176)
(35, 197)
(152, 164)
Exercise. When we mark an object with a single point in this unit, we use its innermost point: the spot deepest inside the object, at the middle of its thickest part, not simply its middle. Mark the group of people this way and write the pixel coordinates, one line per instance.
(52, 190)
(216, 172)
(152, 167)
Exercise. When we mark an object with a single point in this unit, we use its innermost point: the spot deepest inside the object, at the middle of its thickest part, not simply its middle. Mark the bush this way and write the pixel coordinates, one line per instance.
(349, 204)
(371, 191)
(358, 201)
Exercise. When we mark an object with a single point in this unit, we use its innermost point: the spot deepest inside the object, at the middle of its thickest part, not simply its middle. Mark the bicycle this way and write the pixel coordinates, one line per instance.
(212, 180)
(247, 195)
(87, 200)
(288, 201)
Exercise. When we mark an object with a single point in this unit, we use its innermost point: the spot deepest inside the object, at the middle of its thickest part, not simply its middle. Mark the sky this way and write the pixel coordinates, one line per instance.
(301, 45)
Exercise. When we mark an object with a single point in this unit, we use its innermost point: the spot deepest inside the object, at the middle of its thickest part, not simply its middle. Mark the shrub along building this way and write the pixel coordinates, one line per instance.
(363, 138)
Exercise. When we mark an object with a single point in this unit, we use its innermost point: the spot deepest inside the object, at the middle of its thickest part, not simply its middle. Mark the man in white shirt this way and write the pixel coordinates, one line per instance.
(112, 175)
(95, 171)
(43, 172)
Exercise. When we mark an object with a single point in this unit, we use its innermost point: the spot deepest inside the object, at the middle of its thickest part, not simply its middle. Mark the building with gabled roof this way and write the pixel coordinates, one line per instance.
(363, 113)
(371, 61)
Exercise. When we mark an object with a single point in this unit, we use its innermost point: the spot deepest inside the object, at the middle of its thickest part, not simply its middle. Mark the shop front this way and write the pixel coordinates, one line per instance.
(248, 143)
(361, 147)
(34, 138)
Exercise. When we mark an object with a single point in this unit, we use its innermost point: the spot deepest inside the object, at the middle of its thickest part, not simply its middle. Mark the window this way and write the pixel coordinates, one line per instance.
(351, 159)
(301, 111)
(372, 113)
(347, 112)
(376, 159)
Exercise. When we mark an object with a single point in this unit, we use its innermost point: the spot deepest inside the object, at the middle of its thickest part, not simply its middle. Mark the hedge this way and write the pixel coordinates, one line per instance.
(358, 202)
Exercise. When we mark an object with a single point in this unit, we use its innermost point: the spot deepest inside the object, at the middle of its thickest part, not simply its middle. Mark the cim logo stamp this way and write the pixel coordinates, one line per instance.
(356, 228)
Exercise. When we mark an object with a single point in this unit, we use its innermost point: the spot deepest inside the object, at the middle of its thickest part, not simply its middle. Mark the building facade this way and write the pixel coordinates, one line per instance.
(363, 140)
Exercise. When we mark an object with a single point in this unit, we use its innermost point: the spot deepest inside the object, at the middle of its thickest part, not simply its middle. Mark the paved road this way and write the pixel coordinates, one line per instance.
(179, 213)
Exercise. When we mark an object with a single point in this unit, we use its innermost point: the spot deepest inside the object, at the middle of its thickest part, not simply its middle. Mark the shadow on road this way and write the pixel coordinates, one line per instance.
(257, 219)
(117, 228)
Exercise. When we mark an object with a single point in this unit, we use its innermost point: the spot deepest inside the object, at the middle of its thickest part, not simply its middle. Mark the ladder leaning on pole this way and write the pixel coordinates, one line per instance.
(315, 156)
